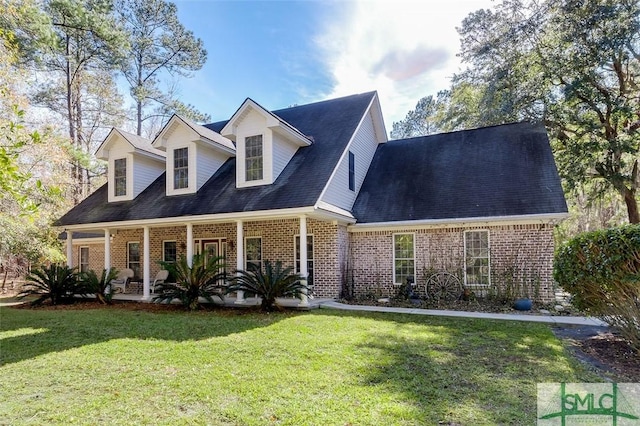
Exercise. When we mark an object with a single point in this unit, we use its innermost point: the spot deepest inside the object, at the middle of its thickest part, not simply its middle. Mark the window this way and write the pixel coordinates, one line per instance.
(133, 258)
(476, 256)
(180, 168)
(120, 177)
(253, 158)
(403, 258)
(352, 171)
(83, 261)
(169, 251)
(169, 255)
(253, 253)
(309, 257)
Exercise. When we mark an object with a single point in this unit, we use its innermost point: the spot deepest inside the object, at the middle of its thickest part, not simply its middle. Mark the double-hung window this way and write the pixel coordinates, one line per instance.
(253, 158)
(83, 261)
(120, 177)
(403, 258)
(133, 258)
(309, 258)
(253, 253)
(169, 251)
(180, 168)
(476, 257)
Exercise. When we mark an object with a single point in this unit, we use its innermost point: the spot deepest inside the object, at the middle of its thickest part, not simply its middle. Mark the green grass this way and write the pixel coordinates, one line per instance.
(114, 366)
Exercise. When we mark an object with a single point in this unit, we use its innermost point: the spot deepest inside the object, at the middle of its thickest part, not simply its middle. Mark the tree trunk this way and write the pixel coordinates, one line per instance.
(76, 173)
(138, 99)
(632, 205)
(139, 117)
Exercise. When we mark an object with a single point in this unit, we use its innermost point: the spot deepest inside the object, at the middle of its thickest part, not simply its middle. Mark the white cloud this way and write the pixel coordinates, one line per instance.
(404, 50)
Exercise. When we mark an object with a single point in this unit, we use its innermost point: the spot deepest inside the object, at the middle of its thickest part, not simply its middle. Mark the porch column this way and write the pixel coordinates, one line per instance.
(146, 264)
(69, 249)
(304, 301)
(240, 256)
(190, 244)
(107, 250)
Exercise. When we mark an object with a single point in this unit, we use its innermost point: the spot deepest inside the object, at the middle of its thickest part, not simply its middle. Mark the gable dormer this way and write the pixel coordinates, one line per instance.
(264, 144)
(194, 153)
(133, 164)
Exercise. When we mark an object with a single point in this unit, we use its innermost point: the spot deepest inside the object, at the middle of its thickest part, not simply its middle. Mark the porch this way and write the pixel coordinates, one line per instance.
(142, 247)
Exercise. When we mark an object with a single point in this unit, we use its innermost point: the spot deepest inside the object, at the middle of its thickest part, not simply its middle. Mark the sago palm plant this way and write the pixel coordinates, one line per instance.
(99, 285)
(56, 282)
(201, 280)
(274, 281)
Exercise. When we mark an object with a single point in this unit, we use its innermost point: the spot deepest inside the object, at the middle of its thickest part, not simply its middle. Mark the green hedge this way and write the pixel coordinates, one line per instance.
(602, 258)
(601, 269)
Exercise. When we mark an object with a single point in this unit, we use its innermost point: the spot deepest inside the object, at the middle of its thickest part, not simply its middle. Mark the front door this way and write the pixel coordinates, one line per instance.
(211, 249)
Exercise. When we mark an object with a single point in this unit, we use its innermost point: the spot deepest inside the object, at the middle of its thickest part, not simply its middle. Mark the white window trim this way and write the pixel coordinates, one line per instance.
(128, 177)
(267, 159)
(163, 251)
(126, 180)
(349, 155)
(464, 252)
(295, 253)
(393, 250)
(139, 246)
(80, 257)
(246, 253)
(191, 156)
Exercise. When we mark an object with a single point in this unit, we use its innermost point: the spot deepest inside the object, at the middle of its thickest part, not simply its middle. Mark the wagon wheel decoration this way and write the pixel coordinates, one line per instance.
(443, 286)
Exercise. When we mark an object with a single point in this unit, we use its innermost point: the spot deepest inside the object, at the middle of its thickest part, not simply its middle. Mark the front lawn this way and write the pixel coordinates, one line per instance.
(117, 366)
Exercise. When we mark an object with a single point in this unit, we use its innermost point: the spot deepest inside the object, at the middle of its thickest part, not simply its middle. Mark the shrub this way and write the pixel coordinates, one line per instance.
(99, 285)
(201, 280)
(273, 281)
(601, 269)
(56, 282)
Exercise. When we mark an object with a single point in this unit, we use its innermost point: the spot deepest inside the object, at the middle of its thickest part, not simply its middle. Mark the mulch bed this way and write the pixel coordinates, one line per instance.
(603, 351)
(479, 305)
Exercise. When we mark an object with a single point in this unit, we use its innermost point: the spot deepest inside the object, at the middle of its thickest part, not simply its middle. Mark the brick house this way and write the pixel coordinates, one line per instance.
(477, 205)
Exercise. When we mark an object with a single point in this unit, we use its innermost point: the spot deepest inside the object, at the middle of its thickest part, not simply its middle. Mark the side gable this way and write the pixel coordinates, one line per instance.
(490, 173)
(362, 147)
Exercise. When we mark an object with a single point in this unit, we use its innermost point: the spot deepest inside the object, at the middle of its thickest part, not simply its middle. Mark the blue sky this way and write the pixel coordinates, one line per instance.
(281, 53)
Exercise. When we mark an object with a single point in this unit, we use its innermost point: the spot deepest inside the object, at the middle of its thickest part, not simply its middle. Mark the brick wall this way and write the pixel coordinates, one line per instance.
(96, 256)
(520, 256)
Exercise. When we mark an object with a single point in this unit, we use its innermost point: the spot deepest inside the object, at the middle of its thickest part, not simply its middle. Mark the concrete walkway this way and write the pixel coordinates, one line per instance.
(549, 319)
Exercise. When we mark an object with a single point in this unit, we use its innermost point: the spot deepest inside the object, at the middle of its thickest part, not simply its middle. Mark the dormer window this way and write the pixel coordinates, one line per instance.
(254, 164)
(120, 177)
(181, 168)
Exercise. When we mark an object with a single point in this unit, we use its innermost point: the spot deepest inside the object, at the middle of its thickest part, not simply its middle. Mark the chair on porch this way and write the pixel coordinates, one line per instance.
(121, 281)
(160, 278)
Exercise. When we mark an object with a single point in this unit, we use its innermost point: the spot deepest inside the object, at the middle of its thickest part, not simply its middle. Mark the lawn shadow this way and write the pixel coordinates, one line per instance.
(27, 333)
(464, 371)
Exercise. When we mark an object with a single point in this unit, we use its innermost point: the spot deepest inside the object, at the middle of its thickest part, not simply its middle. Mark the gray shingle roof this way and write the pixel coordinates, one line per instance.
(494, 171)
(331, 124)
